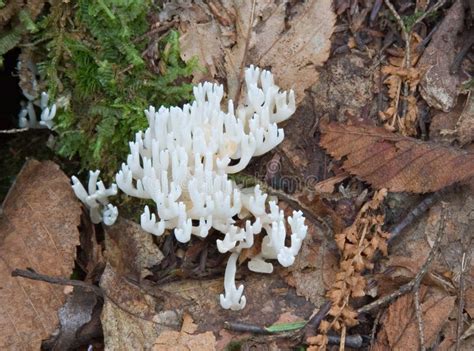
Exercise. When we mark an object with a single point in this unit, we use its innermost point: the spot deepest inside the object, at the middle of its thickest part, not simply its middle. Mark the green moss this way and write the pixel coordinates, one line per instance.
(94, 62)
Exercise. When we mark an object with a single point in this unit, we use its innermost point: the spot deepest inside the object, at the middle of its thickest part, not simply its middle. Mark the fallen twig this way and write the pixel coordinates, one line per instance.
(414, 214)
(352, 341)
(316, 319)
(460, 56)
(419, 317)
(405, 35)
(465, 263)
(374, 329)
(245, 328)
(31, 274)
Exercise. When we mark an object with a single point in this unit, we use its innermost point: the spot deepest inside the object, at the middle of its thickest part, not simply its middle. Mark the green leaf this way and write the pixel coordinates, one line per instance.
(285, 327)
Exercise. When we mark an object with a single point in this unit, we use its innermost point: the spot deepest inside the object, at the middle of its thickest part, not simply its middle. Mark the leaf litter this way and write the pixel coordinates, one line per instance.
(237, 33)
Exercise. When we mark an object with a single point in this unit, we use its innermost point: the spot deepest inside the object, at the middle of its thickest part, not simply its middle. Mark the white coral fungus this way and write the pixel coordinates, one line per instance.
(27, 116)
(96, 198)
(182, 161)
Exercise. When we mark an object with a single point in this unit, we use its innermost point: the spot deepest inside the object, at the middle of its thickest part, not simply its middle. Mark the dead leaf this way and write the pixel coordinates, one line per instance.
(130, 250)
(274, 41)
(186, 339)
(399, 325)
(407, 256)
(443, 124)
(38, 229)
(398, 163)
(131, 317)
(470, 302)
(449, 337)
(90, 258)
(312, 266)
(327, 185)
(438, 86)
(418, 240)
(79, 319)
(464, 130)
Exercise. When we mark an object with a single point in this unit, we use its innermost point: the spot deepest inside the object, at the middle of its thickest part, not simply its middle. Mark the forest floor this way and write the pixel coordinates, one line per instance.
(378, 156)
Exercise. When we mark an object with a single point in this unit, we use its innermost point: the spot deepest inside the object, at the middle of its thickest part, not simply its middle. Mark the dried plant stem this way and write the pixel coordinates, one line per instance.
(416, 281)
(342, 343)
(460, 56)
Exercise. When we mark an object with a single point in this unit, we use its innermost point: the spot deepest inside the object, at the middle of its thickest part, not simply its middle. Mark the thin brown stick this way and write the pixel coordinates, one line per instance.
(31, 274)
(406, 36)
(460, 56)
(462, 291)
(406, 288)
(374, 329)
(342, 343)
(419, 318)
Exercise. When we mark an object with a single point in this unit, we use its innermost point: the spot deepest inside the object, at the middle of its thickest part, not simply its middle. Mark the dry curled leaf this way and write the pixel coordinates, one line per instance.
(397, 163)
(265, 33)
(38, 229)
(79, 321)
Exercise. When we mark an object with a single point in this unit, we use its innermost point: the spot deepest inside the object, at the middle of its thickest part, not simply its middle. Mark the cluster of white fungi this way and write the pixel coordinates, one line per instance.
(182, 162)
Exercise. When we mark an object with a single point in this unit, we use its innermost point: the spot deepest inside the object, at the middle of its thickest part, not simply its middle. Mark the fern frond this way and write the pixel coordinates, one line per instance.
(11, 39)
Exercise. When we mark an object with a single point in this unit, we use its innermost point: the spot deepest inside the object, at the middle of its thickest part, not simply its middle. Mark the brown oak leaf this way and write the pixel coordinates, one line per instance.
(395, 162)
